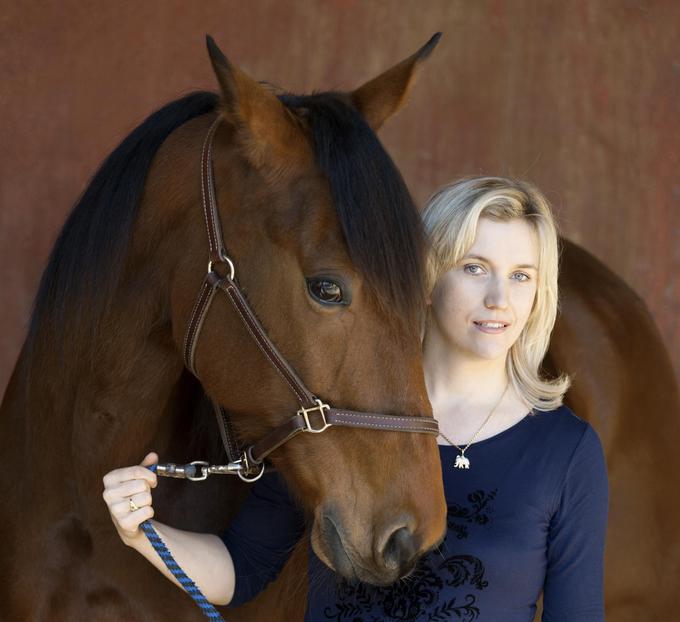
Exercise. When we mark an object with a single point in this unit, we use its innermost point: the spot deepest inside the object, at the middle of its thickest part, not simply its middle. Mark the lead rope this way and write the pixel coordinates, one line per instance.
(189, 586)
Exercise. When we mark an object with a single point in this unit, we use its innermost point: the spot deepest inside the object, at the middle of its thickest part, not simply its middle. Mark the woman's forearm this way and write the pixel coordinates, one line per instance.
(202, 556)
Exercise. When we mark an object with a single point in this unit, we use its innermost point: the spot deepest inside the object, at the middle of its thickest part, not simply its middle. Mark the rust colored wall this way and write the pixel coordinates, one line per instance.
(581, 97)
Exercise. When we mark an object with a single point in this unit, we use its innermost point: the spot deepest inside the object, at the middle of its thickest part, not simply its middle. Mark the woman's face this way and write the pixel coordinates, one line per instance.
(495, 282)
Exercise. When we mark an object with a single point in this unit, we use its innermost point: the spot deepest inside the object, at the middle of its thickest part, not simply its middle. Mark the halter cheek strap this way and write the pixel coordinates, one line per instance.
(314, 416)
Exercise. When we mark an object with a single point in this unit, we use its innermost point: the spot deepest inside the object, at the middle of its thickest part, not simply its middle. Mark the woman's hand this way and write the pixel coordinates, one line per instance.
(127, 493)
(202, 556)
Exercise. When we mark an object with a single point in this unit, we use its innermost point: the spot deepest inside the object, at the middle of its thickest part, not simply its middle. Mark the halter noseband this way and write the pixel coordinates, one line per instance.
(314, 416)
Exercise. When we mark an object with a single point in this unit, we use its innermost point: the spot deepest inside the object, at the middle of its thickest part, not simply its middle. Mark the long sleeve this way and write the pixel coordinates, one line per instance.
(262, 536)
(573, 588)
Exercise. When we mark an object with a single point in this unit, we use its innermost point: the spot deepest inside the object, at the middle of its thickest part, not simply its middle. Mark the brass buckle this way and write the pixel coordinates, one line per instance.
(320, 406)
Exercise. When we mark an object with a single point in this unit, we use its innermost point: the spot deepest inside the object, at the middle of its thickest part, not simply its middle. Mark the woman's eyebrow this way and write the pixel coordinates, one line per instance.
(523, 266)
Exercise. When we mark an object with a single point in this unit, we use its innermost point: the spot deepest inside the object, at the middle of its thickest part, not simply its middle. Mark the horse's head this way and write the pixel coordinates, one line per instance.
(329, 251)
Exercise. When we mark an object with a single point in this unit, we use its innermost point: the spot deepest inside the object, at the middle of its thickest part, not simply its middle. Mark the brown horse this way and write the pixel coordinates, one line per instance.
(329, 251)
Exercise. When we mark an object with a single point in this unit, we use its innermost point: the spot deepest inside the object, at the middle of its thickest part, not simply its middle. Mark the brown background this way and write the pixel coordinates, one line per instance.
(580, 97)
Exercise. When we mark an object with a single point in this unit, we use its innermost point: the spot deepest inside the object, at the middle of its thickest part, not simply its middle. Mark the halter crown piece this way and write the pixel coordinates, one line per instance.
(313, 417)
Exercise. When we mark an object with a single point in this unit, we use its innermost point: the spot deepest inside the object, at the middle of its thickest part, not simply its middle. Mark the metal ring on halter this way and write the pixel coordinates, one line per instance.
(254, 478)
(245, 462)
(229, 262)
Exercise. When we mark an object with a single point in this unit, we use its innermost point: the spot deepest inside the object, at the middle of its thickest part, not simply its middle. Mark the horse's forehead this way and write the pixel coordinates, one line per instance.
(307, 217)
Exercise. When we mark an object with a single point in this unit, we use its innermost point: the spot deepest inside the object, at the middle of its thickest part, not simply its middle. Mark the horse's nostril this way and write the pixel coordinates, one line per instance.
(399, 549)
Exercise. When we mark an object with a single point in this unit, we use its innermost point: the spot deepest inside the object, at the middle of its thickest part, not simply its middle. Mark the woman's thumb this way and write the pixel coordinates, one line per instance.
(150, 458)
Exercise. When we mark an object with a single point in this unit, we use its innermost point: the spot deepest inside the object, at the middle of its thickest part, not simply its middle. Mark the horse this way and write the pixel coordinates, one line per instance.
(329, 252)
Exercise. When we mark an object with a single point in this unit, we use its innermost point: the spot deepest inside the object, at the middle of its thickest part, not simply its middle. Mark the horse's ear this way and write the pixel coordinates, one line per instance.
(380, 98)
(251, 107)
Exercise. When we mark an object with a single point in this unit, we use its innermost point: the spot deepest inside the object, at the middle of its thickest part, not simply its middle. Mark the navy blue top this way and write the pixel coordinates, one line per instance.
(528, 516)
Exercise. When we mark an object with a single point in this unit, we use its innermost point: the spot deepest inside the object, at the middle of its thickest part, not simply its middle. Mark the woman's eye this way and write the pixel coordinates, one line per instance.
(473, 268)
(521, 276)
(325, 291)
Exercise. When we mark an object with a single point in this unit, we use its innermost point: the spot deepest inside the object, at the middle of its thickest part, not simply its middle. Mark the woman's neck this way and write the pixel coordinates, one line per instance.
(455, 378)
(464, 389)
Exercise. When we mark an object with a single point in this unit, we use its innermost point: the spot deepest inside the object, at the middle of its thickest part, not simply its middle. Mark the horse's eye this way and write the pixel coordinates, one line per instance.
(326, 292)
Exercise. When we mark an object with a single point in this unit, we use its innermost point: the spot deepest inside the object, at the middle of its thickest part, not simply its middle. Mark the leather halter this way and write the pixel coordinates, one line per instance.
(314, 416)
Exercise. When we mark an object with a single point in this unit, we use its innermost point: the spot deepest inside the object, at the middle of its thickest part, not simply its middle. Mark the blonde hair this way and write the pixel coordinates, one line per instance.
(451, 217)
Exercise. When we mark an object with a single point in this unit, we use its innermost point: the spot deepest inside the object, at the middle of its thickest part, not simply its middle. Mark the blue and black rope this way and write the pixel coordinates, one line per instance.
(189, 586)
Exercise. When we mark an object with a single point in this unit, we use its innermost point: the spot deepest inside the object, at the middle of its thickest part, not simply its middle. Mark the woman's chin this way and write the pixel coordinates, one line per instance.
(487, 352)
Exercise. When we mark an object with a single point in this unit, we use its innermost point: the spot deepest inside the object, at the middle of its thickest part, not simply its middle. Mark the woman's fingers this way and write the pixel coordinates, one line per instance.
(128, 496)
(130, 523)
(126, 489)
(122, 507)
(150, 459)
(126, 474)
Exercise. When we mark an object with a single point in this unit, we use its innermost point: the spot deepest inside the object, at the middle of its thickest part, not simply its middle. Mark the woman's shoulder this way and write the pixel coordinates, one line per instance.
(560, 421)
(564, 432)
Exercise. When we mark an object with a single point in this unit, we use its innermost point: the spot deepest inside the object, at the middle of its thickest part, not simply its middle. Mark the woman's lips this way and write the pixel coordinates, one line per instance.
(491, 328)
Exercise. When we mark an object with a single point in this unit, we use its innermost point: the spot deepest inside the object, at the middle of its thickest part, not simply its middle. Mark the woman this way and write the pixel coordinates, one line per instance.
(524, 478)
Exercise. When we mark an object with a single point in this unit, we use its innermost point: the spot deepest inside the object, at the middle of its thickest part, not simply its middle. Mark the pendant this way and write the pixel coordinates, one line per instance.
(461, 462)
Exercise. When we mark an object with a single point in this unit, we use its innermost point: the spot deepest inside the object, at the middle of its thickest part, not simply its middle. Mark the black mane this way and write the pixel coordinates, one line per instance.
(86, 262)
(382, 227)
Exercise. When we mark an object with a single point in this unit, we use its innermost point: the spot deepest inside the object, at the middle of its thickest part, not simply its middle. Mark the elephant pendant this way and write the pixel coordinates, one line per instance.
(461, 462)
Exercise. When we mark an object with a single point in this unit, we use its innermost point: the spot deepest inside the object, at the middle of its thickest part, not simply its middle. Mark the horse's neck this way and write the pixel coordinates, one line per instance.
(75, 421)
(60, 444)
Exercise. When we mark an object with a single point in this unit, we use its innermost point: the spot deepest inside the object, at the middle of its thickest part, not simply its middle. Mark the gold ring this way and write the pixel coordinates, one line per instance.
(133, 506)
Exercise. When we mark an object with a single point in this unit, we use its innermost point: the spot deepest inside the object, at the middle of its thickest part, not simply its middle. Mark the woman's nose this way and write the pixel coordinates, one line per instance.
(497, 295)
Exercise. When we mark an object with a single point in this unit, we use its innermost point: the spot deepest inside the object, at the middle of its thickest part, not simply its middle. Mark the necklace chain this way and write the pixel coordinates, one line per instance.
(481, 427)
